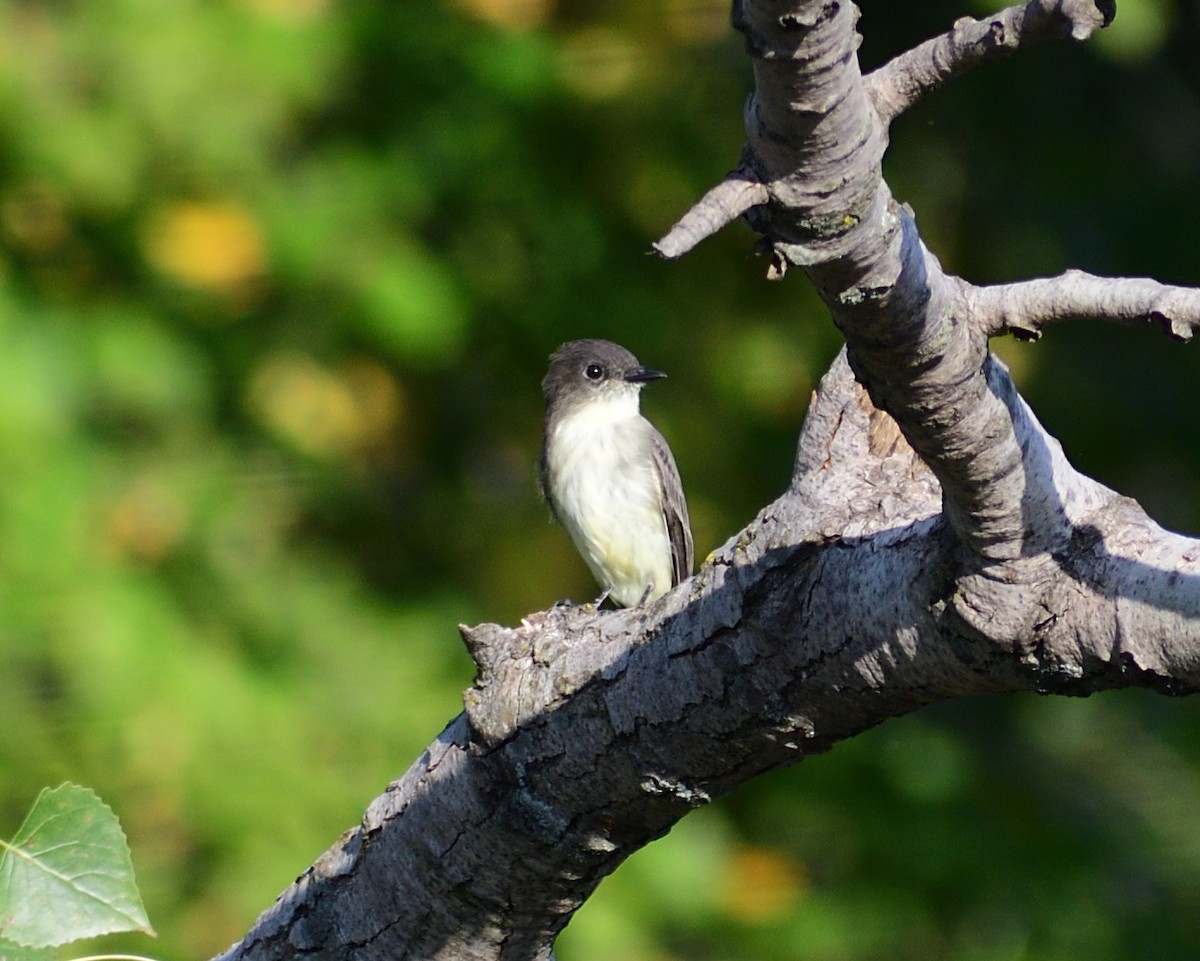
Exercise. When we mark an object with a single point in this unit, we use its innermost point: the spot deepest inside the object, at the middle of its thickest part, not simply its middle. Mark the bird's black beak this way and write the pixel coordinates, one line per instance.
(640, 375)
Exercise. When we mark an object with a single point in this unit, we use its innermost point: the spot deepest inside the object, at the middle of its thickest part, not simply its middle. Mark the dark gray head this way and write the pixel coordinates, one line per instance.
(586, 370)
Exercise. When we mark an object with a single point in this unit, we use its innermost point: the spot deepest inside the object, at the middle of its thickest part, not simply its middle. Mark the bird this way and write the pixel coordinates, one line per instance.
(608, 475)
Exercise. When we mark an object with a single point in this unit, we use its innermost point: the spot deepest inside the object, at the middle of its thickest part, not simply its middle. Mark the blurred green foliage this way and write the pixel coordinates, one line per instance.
(278, 279)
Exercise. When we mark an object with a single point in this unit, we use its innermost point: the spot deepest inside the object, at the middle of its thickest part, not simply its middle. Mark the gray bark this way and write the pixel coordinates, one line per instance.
(934, 543)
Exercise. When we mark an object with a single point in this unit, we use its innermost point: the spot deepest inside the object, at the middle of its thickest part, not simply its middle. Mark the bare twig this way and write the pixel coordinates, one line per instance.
(723, 204)
(1025, 308)
(901, 82)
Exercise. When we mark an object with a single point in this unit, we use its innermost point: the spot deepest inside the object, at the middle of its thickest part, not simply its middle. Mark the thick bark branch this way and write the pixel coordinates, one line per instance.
(588, 734)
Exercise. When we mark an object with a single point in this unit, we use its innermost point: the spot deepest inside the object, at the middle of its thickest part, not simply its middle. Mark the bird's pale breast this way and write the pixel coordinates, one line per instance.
(607, 494)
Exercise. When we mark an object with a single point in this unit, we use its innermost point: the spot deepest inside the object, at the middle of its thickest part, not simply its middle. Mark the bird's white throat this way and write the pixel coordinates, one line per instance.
(603, 409)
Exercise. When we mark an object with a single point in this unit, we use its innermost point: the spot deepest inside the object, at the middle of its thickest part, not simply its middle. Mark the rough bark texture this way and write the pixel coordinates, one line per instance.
(942, 549)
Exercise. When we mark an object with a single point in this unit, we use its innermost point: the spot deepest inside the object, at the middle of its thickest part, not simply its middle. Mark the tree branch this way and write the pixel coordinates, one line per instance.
(817, 143)
(914, 338)
(721, 206)
(587, 734)
(1025, 308)
(901, 82)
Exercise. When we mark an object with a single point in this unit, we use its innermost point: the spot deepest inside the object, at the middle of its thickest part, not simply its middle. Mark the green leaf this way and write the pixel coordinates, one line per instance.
(14, 952)
(67, 874)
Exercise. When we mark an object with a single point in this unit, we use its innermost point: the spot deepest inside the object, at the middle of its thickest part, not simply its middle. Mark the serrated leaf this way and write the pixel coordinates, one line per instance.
(14, 952)
(67, 874)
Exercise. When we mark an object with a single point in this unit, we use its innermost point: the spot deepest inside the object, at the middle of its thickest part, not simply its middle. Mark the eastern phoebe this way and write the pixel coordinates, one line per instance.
(609, 476)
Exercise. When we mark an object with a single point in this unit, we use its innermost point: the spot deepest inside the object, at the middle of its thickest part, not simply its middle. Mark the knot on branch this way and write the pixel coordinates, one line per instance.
(527, 671)
(1083, 17)
(1175, 327)
(500, 654)
(1002, 604)
(778, 37)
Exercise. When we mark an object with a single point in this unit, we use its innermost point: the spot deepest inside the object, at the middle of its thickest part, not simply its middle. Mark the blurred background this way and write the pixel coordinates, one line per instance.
(278, 282)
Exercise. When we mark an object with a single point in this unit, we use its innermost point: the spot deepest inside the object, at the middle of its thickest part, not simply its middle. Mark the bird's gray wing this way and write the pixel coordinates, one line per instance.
(675, 512)
(544, 482)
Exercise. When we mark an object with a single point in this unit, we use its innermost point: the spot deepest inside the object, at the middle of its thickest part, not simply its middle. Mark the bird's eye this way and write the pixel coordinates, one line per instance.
(594, 372)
